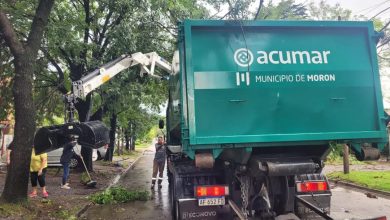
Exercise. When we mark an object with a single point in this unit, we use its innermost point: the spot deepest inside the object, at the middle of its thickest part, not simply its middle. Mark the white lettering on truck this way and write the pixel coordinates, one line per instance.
(293, 57)
(189, 215)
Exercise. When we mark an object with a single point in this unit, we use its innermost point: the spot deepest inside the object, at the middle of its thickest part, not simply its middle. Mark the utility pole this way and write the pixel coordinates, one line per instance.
(346, 159)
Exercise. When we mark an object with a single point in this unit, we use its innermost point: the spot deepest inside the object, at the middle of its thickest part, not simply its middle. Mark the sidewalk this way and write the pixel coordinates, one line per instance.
(65, 204)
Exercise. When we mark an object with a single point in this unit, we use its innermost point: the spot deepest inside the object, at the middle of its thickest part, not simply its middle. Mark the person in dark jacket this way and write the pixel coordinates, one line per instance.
(9, 149)
(66, 156)
(159, 162)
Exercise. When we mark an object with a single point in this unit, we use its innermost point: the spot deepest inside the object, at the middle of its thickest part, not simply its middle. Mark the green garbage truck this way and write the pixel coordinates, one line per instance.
(253, 108)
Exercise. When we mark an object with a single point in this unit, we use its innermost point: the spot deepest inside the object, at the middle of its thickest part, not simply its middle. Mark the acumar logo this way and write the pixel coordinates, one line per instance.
(244, 57)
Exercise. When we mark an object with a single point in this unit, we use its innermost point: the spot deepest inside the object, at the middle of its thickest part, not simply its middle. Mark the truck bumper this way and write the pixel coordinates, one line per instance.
(189, 209)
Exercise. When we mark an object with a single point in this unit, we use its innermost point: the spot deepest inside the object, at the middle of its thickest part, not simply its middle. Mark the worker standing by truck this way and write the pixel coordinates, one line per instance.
(158, 162)
(66, 156)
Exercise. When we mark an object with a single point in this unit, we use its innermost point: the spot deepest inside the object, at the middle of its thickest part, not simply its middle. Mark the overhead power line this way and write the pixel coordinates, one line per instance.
(373, 7)
(380, 12)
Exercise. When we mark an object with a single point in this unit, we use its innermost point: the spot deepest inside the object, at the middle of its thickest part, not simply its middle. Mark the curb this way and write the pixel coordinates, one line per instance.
(119, 176)
(113, 182)
(377, 192)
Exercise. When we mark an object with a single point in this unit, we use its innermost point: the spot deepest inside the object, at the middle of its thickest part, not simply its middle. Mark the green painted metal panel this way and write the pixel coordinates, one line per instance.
(280, 81)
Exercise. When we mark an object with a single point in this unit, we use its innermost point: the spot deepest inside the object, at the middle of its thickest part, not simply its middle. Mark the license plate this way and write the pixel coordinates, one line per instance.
(211, 201)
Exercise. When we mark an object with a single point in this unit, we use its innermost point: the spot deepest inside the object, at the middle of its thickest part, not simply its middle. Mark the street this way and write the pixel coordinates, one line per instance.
(346, 203)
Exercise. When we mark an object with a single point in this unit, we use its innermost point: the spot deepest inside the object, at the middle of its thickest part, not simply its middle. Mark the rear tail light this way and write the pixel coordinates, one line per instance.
(211, 191)
(312, 186)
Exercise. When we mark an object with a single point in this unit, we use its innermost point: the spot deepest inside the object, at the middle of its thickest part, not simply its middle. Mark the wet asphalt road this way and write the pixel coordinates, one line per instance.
(346, 203)
(138, 178)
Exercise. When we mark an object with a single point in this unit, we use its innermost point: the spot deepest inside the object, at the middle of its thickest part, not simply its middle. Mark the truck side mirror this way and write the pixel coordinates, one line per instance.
(161, 124)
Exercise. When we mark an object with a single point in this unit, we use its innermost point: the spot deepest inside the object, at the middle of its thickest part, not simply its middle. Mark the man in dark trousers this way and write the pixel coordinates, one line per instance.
(67, 154)
(159, 162)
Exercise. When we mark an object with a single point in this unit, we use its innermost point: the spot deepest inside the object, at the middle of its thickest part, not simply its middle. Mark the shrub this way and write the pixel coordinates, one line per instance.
(119, 195)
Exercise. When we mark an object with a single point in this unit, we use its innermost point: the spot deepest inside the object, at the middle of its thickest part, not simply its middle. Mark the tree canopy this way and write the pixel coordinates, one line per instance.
(82, 35)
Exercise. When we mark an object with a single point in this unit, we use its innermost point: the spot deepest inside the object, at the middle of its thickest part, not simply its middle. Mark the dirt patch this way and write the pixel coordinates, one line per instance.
(62, 203)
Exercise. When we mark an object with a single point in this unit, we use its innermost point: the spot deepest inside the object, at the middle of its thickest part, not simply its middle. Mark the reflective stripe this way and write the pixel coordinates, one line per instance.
(154, 178)
(160, 178)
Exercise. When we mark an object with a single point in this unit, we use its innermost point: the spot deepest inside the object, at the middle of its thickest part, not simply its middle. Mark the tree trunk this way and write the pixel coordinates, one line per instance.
(118, 143)
(127, 140)
(133, 138)
(110, 150)
(16, 184)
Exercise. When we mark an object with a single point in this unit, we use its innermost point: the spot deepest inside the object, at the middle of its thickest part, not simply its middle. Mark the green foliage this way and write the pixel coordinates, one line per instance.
(336, 155)
(64, 214)
(285, 10)
(119, 195)
(7, 209)
(84, 178)
(371, 179)
(22, 13)
(153, 133)
(325, 11)
(236, 9)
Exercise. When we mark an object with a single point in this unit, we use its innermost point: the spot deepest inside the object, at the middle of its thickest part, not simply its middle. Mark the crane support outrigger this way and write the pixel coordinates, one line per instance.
(94, 133)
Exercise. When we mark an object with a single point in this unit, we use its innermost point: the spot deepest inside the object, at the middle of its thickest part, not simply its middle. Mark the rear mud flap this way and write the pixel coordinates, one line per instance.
(189, 209)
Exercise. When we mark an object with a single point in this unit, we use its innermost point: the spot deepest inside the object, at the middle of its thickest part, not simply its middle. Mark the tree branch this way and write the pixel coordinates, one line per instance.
(38, 25)
(9, 35)
(61, 76)
(87, 20)
(258, 9)
(105, 27)
(384, 27)
(66, 56)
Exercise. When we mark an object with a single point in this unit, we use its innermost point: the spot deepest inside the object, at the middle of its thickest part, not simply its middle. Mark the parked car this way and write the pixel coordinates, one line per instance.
(101, 153)
(53, 157)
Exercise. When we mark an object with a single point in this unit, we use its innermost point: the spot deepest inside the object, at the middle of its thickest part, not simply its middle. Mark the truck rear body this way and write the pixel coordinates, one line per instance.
(263, 99)
(307, 81)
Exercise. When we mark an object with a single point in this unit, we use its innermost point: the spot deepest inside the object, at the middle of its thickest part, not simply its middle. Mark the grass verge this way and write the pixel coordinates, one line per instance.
(119, 195)
(379, 180)
(37, 209)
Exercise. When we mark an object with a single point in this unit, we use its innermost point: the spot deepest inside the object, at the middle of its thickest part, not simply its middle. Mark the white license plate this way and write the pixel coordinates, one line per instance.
(211, 201)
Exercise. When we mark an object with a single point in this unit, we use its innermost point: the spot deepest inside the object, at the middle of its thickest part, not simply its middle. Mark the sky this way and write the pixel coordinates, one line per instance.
(368, 8)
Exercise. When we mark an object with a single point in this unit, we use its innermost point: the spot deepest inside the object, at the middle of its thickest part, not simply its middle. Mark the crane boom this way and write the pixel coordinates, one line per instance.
(93, 80)
(93, 134)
